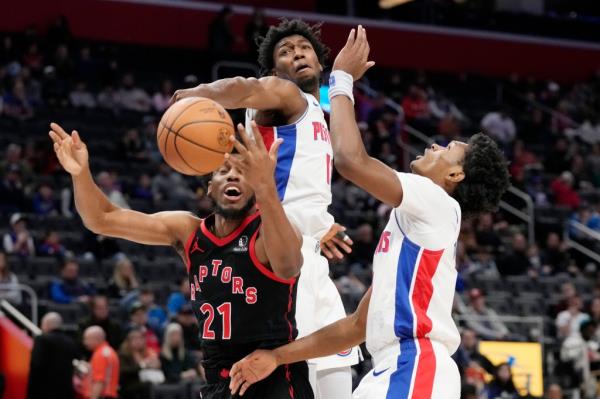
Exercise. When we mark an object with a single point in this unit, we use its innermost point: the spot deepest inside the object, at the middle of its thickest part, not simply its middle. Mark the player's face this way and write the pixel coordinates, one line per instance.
(296, 60)
(436, 160)
(232, 195)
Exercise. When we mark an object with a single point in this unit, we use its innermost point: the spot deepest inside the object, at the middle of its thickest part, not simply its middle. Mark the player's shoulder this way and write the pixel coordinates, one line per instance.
(274, 82)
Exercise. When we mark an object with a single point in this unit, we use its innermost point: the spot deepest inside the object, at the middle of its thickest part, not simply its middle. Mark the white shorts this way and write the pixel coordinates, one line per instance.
(413, 369)
(318, 303)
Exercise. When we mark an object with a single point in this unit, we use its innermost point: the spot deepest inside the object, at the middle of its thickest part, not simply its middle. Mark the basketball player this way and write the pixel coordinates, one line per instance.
(285, 104)
(406, 314)
(242, 263)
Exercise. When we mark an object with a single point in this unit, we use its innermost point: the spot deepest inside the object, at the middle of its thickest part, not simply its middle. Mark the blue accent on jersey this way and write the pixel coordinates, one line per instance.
(401, 378)
(403, 320)
(285, 157)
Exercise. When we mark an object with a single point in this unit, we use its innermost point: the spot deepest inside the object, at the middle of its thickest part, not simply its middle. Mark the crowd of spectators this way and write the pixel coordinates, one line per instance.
(555, 158)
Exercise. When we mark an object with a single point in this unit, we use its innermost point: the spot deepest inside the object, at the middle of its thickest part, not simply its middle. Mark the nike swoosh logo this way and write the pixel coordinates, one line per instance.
(375, 373)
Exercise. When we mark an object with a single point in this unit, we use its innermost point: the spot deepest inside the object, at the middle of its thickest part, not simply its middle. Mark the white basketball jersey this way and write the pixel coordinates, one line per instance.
(414, 270)
(304, 168)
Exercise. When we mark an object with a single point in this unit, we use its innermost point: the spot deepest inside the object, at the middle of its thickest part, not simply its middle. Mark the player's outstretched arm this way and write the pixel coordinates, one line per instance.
(102, 216)
(279, 244)
(334, 338)
(267, 93)
(349, 153)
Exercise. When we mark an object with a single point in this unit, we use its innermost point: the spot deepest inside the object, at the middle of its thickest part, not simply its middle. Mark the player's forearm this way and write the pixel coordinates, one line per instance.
(334, 338)
(96, 391)
(231, 93)
(90, 201)
(281, 241)
(349, 151)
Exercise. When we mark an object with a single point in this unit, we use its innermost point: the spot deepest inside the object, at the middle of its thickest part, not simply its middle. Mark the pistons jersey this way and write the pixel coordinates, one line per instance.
(237, 300)
(304, 168)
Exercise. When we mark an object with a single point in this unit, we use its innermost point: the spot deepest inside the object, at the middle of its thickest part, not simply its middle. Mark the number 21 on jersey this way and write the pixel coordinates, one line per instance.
(224, 311)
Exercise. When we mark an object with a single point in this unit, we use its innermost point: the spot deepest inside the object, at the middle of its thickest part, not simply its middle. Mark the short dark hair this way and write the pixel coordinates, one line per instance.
(289, 27)
(486, 177)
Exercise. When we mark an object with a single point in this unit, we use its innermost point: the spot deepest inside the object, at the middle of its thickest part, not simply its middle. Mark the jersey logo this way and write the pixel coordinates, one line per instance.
(384, 242)
(345, 353)
(375, 373)
(196, 247)
(242, 245)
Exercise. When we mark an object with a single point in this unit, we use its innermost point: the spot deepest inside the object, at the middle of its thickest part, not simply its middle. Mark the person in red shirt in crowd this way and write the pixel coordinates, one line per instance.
(564, 194)
(102, 381)
(415, 104)
(139, 319)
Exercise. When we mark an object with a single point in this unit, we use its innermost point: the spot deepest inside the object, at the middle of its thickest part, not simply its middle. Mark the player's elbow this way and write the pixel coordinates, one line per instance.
(290, 265)
(347, 166)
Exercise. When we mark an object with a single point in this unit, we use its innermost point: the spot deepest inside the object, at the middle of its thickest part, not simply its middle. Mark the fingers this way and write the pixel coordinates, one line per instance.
(333, 249)
(342, 244)
(244, 387)
(275, 149)
(236, 162)
(55, 137)
(351, 38)
(238, 146)
(236, 379)
(248, 141)
(77, 143)
(59, 130)
(328, 254)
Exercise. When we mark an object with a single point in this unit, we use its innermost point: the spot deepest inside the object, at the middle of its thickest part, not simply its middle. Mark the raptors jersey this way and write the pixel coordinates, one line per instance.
(239, 302)
(414, 278)
(304, 168)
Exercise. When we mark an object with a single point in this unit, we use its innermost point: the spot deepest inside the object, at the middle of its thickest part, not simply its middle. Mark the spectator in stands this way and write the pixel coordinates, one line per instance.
(33, 88)
(109, 98)
(563, 191)
(157, 317)
(51, 245)
(516, 260)
(558, 159)
(14, 157)
(364, 245)
(220, 35)
(18, 240)
(12, 194)
(140, 366)
(81, 97)
(63, 62)
(581, 350)
(554, 257)
(178, 364)
(554, 391)
(69, 288)
(16, 103)
(138, 319)
(43, 201)
(587, 217)
(486, 235)
(441, 107)
(168, 185)
(143, 189)
(34, 58)
(593, 164)
(567, 292)
(490, 326)
(415, 106)
(468, 358)
(502, 386)
(257, 27)
(107, 184)
(161, 99)
(500, 126)
(132, 97)
(102, 380)
(51, 364)
(179, 298)
(124, 279)
(9, 283)
(133, 147)
(189, 324)
(100, 316)
(569, 320)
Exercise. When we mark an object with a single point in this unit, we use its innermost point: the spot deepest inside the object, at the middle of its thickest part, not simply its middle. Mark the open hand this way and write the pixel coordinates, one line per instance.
(253, 368)
(253, 160)
(335, 241)
(70, 150)
(183, 93)
(354, 57)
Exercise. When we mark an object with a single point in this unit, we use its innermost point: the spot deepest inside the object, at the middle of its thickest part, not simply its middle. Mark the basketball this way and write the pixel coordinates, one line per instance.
(193, 135)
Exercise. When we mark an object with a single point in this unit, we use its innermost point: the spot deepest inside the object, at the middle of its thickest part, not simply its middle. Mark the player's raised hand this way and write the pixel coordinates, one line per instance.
(253, 368)
(353, 58)
(181, 94)
(253, 160)
(335, 241)
(70, 150)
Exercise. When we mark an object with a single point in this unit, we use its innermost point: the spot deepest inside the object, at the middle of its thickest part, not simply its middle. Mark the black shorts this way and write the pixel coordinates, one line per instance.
(275, 386)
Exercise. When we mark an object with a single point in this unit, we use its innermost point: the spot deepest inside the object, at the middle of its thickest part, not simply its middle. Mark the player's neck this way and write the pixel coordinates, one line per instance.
(224, 226)
(316, 93)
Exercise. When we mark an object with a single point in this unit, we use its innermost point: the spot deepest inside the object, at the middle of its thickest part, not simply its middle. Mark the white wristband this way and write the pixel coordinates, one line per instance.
(340, 84)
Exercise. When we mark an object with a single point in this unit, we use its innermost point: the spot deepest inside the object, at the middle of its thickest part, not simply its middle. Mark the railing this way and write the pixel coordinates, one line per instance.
(33, 302)
(242, 66)
(586, 231)
(6, 307)
(527, 217)
(538, 321)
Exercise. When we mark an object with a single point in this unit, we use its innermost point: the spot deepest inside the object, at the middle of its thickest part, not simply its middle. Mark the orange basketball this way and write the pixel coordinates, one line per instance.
(193, 135)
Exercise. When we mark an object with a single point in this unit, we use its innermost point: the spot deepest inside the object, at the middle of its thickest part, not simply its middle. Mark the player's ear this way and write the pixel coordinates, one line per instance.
(209, 187)
(455, 174)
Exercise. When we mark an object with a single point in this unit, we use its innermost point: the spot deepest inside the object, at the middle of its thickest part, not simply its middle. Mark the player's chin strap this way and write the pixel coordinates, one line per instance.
(340, 84)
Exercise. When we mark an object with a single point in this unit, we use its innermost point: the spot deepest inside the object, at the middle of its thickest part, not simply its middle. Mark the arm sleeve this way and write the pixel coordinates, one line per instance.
(423, 199)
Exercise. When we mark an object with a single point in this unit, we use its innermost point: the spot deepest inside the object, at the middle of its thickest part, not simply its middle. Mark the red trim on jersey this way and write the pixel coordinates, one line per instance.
(268, 135)
(227, 239)
(288, 373)
(262, 268)
(426, 368)
(188, 244)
